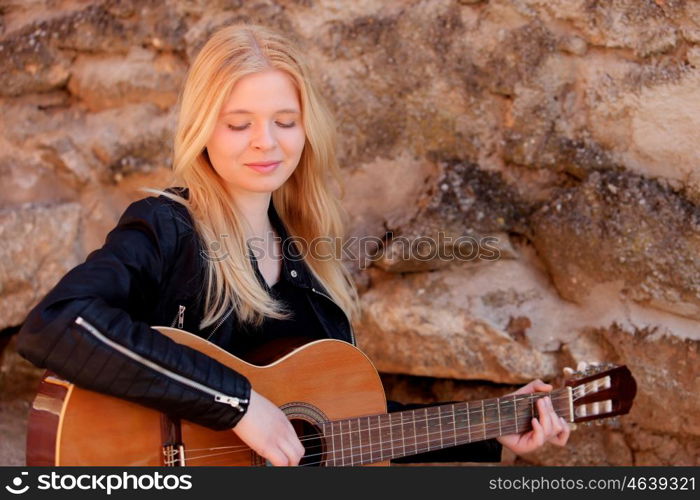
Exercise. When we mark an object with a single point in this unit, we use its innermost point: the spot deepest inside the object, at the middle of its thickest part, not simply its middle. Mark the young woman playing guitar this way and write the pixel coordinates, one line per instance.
(223, 254)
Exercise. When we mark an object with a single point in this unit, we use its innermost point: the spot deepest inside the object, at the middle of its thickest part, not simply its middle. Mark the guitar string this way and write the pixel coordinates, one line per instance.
(399, 453)
(504, 424)
(526, 420)
(507, 427)
(475, 411)
(522, 423)
(452, 442)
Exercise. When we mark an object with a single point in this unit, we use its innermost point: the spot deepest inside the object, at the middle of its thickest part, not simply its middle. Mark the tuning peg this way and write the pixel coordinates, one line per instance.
(584, 369)
(601, 367)
(580, 370)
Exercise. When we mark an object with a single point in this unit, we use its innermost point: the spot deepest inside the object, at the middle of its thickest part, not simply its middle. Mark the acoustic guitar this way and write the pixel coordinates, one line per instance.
(329, 390)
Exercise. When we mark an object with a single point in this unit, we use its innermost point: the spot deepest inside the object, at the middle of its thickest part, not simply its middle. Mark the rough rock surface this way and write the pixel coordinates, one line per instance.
(521, 178)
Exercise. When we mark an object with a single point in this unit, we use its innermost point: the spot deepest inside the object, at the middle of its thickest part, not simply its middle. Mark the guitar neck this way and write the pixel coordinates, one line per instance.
(375, 438)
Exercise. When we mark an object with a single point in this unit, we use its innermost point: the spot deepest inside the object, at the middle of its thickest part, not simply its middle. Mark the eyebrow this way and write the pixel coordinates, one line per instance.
(246, 112)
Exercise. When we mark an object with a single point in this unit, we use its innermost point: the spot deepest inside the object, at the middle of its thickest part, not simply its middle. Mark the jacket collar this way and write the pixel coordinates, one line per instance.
(294, 269)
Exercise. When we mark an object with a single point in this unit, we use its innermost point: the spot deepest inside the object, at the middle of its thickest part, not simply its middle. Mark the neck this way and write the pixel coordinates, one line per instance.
(253, 207)
(377, 438)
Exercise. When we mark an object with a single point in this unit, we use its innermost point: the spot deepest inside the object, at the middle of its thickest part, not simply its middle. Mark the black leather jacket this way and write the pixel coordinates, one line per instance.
(93, 328)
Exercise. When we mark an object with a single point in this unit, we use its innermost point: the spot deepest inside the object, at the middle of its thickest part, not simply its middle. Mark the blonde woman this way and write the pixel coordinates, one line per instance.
(253, 153)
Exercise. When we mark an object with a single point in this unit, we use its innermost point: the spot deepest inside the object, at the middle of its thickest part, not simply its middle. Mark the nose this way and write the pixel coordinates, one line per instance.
(263, 139)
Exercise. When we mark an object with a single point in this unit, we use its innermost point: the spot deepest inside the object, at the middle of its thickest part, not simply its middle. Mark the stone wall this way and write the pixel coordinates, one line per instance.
(564, 131)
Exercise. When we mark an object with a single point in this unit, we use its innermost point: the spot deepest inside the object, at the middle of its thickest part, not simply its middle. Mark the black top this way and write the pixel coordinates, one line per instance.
(253, 343)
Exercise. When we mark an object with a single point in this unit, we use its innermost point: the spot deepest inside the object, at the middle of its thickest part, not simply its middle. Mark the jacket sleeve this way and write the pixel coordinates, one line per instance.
(111, 349)
(479, 451)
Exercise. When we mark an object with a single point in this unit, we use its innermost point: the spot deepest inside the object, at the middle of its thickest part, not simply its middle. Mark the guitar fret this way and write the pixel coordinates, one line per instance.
(339, 447)
(498, 408)
(361, 460)
(454, 425)
(469, 424)
(363, 447)
(390, 442)
(415, 433)
(352, 449)
(403, 437)
(365, 456)
(427, 430)
(391, 435)
(381, 447)
(369, 436)
(483, 418)
(407, 425)
(515, 411)
(347, 444)
(332, 436)
(359, 438)
(440, 425)
(357, 449)
(371, 440)
(324, 440)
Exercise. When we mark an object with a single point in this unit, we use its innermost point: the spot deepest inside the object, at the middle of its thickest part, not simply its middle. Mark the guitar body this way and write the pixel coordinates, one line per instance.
(321, 381)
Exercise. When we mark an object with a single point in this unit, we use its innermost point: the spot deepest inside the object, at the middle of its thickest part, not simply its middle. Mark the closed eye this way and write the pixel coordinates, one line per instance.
(280, 124)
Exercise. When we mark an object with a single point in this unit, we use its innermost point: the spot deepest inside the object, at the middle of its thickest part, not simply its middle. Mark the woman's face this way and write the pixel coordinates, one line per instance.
(259, 123)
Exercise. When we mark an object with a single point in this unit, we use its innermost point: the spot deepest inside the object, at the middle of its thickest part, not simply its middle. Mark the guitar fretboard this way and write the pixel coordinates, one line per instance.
(375, 438)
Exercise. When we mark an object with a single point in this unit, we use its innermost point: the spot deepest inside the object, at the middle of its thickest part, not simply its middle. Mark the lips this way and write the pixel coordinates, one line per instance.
(262, 164)
(264, 167)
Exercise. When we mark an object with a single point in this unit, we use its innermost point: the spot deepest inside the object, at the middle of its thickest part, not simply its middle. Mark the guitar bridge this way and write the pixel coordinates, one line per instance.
(174, 455)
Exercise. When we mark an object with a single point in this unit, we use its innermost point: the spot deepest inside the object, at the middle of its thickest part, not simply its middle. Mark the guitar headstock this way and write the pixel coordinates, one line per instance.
(601, 391)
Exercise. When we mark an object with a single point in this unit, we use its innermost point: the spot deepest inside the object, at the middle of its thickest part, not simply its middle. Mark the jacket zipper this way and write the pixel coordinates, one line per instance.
(218, 397)
(352, 333)
(179, 318)
(221, 321)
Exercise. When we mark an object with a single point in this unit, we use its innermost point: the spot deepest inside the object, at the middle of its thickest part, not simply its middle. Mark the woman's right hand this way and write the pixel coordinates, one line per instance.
(266, 429)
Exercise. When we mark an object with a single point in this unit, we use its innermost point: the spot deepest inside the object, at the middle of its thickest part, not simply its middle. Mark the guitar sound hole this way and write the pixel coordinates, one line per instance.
(312, 440)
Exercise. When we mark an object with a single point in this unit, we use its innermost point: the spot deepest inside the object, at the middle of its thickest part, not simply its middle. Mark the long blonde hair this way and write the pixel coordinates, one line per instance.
(304, 203)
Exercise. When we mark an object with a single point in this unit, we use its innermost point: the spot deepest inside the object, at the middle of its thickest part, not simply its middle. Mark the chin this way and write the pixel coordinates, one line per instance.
(261, 187)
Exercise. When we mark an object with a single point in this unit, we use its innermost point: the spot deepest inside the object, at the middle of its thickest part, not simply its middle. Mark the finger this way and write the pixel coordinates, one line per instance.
(554, 418)
(291, 452)
(299, 448)
(535, 385)
(537, 435)
(544, 417)
(563, 436)
(541, 386)
(277, 457)
(293, 440)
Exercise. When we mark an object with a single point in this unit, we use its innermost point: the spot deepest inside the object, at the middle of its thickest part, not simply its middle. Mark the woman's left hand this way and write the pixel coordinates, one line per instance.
(548, 427)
